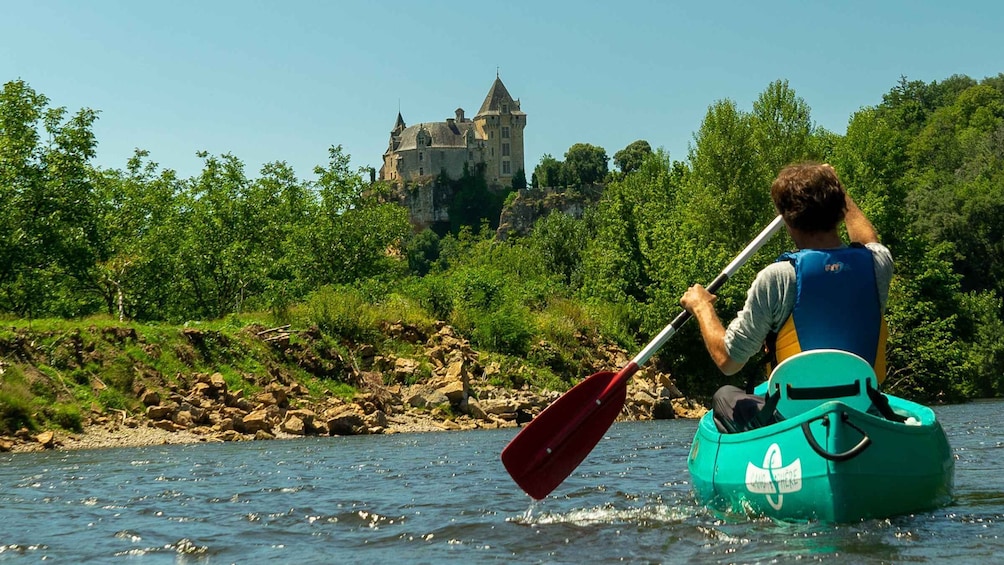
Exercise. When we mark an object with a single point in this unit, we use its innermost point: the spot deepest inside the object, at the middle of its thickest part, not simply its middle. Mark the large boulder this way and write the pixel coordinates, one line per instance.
(162, 411)
(294, 426)
(255, 421)
(345, 420)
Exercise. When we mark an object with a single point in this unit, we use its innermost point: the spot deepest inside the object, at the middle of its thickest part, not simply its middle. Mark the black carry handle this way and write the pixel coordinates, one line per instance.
(845, 456)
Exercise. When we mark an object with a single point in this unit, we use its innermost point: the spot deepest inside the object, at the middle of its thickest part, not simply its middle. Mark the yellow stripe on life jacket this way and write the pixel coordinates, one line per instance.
(786, 344)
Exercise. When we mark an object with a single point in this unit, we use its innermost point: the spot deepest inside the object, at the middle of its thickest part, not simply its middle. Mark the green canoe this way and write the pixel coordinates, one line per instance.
(832, 456)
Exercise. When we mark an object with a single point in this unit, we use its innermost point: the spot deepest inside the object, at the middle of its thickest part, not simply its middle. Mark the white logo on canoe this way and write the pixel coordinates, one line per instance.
(773, 478)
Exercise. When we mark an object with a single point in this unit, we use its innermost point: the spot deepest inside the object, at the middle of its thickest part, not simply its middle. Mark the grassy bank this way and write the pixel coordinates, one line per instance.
(66, 374)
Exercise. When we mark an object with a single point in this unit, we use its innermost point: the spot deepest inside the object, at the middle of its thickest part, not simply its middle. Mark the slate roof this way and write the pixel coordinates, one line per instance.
(444, 134)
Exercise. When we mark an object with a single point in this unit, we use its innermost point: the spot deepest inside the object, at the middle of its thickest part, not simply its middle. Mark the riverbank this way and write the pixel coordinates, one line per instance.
(112, 436)
(119, 385)
(133, 433)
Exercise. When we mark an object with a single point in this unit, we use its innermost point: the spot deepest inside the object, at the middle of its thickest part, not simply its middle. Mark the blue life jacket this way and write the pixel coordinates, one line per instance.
(837, 306)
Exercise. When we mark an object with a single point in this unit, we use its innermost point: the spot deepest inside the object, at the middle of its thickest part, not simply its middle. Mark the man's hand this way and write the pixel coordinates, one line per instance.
(697, 297)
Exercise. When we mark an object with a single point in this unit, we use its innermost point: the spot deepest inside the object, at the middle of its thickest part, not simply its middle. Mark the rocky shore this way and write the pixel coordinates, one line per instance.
(458, 395)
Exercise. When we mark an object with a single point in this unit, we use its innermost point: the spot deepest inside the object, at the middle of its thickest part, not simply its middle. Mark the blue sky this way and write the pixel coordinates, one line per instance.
(283, 81)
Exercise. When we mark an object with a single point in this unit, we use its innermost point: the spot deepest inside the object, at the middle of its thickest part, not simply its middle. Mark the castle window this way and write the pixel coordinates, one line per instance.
(505, 132)
(493, 151)
(506, 168)
(421, 171)
(505, 108)
(421, 156)
(491, 135)
(505, 149)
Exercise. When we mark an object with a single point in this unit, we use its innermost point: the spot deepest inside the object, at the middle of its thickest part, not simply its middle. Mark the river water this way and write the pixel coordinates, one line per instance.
(445, 497)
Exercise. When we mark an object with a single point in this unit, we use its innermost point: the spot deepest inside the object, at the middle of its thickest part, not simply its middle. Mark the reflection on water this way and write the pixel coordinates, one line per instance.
(431, 498)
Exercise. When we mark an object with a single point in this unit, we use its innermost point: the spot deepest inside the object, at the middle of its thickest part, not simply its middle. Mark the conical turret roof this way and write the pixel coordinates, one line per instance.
(497, 96)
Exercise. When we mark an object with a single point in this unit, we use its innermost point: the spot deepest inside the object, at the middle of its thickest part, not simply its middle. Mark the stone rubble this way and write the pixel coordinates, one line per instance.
(397, 395)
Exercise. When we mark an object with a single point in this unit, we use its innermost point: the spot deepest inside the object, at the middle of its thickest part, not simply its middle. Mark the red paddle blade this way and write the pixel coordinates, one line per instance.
(552, 445)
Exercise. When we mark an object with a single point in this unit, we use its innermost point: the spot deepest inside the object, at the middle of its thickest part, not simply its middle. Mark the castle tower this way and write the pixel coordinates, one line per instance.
(388, 169)
(500, 123)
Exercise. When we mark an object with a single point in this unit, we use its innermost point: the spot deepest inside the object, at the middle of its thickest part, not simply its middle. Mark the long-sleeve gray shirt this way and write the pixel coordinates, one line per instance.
(771, 299)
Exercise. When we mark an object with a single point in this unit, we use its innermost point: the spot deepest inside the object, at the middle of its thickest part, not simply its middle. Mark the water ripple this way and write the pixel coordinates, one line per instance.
(434, 498)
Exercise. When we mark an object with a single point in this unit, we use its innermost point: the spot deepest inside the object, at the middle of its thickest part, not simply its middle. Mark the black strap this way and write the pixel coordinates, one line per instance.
(881, 402)
(766, 414)
(821, 392)
(770, 350)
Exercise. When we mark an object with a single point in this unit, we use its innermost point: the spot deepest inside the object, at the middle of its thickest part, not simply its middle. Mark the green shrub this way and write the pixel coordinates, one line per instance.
(507, 330)
(15, 403)
(617, 321)
(544, 354)
(120, 373)
(112, 399)
(398, 307)
(342, 311)
(80, 376)
(433, 293)
(478, 289)
(67, 416)
(44, 388)
(561, 320)
(542, 378)
(422, 251)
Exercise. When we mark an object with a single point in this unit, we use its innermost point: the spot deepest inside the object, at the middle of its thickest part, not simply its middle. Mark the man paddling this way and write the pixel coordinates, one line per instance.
(825, 295)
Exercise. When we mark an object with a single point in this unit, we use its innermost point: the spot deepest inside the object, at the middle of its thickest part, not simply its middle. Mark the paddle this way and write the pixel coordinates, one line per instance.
(552, 445)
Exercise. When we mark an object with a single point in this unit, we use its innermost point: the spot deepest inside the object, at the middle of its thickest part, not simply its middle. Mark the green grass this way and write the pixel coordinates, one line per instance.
(543, 346)
(16, 401)
(325, 388)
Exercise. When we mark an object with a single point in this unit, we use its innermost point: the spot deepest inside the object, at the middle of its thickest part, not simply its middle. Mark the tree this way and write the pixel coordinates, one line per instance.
(285, 210)
(630, 158)
(140, 237)
(926, 165)
(422, 251)
(925, 353)
(473, 202)
(519, 179)
(585, 164)
(47, 216)
(548, 172)
(781, 127)
(218, 249)
(729, 193)
(558, 238)
(354, 229)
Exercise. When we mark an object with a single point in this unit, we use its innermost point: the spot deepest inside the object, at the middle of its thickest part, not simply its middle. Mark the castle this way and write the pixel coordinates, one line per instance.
(493, 140)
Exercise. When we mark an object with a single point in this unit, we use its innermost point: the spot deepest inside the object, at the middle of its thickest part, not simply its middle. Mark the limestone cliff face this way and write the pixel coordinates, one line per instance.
(427, 204)
(534, 203)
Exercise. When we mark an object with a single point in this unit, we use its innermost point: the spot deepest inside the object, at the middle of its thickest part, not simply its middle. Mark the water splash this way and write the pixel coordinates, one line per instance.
(647, 515)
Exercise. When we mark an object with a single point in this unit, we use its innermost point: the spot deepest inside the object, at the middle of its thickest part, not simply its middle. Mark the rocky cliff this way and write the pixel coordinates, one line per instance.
(532, 204)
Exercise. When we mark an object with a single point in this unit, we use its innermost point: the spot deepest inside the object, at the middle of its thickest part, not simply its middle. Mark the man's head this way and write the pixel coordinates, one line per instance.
(810, 197)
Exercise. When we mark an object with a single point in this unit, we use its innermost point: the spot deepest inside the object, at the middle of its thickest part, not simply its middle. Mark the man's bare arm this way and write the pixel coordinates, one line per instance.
(859, 229)
(700, 303)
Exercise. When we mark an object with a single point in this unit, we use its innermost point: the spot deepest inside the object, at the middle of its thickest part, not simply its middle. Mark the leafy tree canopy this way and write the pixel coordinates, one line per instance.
(630, 158)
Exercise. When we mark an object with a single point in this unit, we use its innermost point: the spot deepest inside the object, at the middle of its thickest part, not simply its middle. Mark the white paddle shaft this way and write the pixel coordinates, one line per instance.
(729, 270)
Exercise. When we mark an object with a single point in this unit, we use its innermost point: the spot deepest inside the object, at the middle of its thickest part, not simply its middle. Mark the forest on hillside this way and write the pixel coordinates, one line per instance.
(926, 164)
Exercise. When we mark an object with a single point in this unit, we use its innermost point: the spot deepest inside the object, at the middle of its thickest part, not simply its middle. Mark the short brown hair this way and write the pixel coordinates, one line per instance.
(809, 196)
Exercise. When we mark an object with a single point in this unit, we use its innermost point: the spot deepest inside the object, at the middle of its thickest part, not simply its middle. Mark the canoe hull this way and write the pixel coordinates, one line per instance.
(833, 463)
